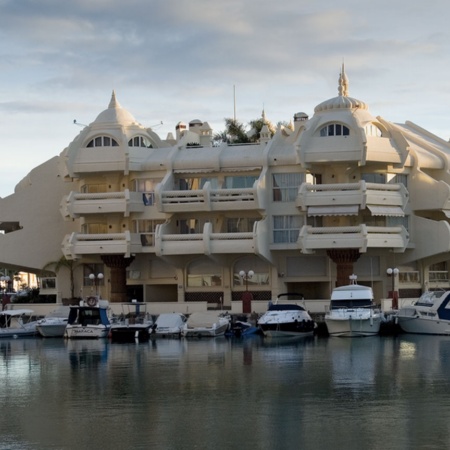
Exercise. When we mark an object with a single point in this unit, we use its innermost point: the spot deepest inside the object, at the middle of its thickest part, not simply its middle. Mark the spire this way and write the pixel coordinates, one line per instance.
(113, 102)
(263, 116)
(343, 83)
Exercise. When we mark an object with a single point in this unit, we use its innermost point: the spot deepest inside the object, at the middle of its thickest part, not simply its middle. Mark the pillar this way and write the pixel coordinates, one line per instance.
(344, 260)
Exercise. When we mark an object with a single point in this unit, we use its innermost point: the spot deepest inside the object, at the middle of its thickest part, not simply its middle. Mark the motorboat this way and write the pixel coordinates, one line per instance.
(352, 312)
(241, 328)
(206, 324)
(134, 324)
(428, 315)
(286, 319)
(169, 325)
(88, 320)
(16, 323)
(54, 324)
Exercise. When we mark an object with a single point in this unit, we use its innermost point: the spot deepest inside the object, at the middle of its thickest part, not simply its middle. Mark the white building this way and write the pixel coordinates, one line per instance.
(176, 220)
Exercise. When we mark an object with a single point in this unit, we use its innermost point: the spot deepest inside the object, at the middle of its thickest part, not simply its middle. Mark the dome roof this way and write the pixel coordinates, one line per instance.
(342, 101)
(115, 114)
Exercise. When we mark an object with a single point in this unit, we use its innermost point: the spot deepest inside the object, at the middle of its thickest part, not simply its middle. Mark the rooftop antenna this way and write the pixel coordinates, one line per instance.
(79, 124)
(157, 125)
(234, 101)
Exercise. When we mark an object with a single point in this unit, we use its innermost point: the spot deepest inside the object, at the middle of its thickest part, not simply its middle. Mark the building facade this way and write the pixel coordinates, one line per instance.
(182, 219)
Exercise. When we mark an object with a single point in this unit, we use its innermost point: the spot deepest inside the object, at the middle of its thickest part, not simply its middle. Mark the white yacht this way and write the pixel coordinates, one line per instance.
(169, 325)
(429, 315)
(286, 319)
(206, 324)
(135, 323)
(54, 324)
(352, 312)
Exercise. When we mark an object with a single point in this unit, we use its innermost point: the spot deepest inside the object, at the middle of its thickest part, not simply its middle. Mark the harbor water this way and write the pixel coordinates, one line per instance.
(388, 392)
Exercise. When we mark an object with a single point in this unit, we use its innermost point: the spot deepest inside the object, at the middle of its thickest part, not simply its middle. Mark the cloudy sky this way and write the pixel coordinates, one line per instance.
(178, 60)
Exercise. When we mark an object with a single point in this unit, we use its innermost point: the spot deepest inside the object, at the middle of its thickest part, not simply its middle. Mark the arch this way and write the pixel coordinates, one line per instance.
(140, 141)
(203, 272)
(334, 129)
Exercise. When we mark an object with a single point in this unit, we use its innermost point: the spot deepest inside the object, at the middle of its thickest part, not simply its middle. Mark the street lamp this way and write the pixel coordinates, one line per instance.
(96, 280)
(247, 296)
(393, 273)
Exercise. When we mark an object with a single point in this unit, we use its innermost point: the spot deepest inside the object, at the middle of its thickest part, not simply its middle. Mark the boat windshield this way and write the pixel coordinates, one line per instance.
(428, 298)
(351, 303)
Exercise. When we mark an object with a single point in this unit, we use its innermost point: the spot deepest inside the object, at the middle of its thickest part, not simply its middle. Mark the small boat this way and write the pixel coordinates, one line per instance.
(89, 320)
(352, 312)
(206, 324)
(286, 319)
(135, 324)
(54, 323)
(169, 325)
(240, 328)
(16, 323)
(428, 315)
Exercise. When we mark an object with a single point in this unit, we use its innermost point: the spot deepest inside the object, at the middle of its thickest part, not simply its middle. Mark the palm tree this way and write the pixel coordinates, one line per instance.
(63, 262)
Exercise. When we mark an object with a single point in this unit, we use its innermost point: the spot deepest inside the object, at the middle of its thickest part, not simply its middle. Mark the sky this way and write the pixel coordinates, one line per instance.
(178, 60)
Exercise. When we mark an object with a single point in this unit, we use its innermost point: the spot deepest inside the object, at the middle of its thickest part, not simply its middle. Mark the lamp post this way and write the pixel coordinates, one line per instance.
(393, 273)
(247, 296)
(96, 280)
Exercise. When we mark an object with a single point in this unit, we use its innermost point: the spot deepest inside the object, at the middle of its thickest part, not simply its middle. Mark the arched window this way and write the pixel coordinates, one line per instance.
(372, 130)
(261, 272)
(140, 141)
(334, 129)
(103, 141)
(204, 273)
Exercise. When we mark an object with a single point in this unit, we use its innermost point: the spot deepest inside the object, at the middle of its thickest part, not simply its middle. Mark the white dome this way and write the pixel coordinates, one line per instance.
(115, 114)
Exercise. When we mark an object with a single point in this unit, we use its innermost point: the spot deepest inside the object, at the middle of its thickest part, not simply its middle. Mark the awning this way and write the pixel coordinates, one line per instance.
(344, 210)
(380, 210)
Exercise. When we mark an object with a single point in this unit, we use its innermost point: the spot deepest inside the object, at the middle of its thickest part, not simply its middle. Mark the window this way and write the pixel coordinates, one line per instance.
(103, 141)
(204, 273)
(239, 182)
(94, 269)
(93, 188)
(192, 226)
(285, 186)
(94, 228)
(372, 130)
(392, 221)
(189, 184)
(399, 178)
(48, 283)
(261, 271)
(147, 187)
(140, 141)
(241, 225)
(286, 229)
(374, 178)
(334, 129)
(146, 228)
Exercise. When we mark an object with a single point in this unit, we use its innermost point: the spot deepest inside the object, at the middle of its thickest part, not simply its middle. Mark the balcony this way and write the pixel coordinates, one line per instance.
(360, 237)
(208, 199)
(125, 202)
(350, 198)
(209, 243)
(76, 245)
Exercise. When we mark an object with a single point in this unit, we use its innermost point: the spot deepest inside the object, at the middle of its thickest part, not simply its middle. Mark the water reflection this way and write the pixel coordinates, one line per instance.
(313, 393)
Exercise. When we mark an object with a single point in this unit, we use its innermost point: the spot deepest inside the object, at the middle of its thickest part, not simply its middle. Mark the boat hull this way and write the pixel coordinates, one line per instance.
(52, 330)
(18, 332)
(417, 325)
(353, 327)
(285, 330)
(86, 332)
(131, 333)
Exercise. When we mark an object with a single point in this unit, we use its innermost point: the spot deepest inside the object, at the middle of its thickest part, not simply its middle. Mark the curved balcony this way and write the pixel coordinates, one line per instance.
(361, 237)
(350, 198)
(77, 244)
(125, 202)
(209, 243)
(207, 199)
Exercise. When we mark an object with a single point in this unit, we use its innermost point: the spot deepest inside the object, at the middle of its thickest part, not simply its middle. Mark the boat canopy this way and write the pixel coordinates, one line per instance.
(17, 312)
(285, 307)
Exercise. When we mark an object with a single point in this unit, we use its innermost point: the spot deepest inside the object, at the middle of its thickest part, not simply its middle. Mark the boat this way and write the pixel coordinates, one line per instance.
(169, 325)
(241, 328)
(54, 324)
(16, 323)
(286, 319)
(135, 323)
(88, 320)
(430, 314)
(206, 324)
(352, 312)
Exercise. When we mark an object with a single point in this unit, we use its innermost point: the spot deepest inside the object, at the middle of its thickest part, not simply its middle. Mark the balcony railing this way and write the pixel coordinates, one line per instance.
(349, 198)
(78, 244)
(361, 237)
(125, 202)
(208, 243)
(207, 199)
